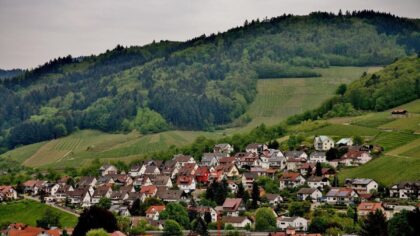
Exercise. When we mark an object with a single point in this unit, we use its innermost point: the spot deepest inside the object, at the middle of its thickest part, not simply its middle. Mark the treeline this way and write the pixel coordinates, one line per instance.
(396, 84)
(201, 84)
(6, 74)
(272, 70)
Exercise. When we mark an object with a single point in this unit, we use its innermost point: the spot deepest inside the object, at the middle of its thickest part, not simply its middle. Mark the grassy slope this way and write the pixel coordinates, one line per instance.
(402, 148)
(27, 212)
(276, 100)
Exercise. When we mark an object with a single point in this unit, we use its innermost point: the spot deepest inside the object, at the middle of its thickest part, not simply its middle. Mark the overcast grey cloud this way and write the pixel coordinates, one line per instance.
(32, 32)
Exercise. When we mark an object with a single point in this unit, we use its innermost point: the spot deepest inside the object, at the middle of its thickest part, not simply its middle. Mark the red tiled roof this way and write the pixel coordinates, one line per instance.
(369, 206)
(150, 189)
(289, 176)
(155, 208)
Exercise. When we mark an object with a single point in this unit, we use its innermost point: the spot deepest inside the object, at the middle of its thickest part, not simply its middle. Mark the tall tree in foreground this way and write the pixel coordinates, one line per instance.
(265, 220)
(255, 195)
(49, 219)
(374, 225)
(172, 228)
(95, 218)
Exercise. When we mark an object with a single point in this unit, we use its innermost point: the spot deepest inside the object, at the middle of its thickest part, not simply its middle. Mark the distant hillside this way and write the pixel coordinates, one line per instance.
(199, 84)
(396, 84)
(7, 74)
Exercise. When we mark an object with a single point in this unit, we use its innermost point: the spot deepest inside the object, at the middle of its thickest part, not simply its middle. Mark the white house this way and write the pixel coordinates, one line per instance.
(318, 156)
(209, 159)
(355, 158)
(237, 221)
(153, 212)
(273, 199)
(223, 148)
(291, 180)
(255, 148)
(341, 196)
(405, 190)
(361, 185)
(323, 143)
(297, 223)
(7, 193)
(186, 183)
(318, 182)
(309, 194)
(108, 169)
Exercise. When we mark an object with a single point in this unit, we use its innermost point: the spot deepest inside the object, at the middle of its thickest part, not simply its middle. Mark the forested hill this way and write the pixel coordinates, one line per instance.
(396, 84)
(7, 74)
(197, 84)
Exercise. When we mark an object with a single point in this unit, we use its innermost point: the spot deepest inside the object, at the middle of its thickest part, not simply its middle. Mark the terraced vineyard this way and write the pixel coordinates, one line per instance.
(391, 140)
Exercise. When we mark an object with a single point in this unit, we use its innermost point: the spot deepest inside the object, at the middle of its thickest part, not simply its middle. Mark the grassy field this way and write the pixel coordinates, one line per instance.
(343, 130)
(276, 100)
(386, 170)
(28, 212)
(82, 147)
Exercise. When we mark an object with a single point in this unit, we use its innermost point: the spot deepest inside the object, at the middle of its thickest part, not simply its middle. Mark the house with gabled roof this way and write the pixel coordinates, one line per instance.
(154, 211)
(171, 195)
(341, 196)
(318, 182)
(203, 210)
(81, 196)
(228, 170)
(355, 157)
(248, 179)
(182, 159)
(406, 190)
(223, 148)
(362, 185)
(237, 221)
(136, 170)
(323, 143)
(297, 223)
(188, 169)
(202, 174)
(34, 186)
(170, 168)
(100, 192)
(247, 159)
(232, 206)
(364, 208)
(256, 148)
(291, 180)
(273, 199)
(7, 192)
(108, 169)
(318, 156)
(210, 159)
(162, 181)
(312, 194)
(148, 191)
(186, 183)
(151, 170)
(295, 154)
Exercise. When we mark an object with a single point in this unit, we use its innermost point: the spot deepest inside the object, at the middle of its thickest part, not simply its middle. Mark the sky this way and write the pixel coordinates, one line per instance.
(35, 31)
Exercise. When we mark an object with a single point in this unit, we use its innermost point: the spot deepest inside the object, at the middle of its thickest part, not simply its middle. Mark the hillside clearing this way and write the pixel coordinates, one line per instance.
(28, 212)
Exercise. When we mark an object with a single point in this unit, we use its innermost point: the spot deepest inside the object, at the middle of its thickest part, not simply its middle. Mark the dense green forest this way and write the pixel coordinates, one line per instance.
(198, 84)
(7, 74)
(396, 84)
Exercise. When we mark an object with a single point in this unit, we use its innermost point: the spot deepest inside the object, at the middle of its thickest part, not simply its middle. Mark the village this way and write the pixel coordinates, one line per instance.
(258, 177)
